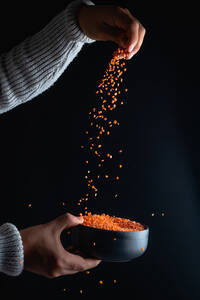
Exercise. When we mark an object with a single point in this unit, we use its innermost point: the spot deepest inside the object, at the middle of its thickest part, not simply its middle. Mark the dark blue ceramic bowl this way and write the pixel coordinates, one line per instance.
(109, 245)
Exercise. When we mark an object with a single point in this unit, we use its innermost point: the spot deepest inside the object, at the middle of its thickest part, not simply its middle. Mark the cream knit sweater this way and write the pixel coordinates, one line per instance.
(26, 71)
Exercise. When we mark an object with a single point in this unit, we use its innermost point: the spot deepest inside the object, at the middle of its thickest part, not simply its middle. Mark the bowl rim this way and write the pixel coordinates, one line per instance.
(115, 231)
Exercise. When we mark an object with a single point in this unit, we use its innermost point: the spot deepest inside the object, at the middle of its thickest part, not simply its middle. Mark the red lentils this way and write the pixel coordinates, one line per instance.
(101, 123)
(107, 222)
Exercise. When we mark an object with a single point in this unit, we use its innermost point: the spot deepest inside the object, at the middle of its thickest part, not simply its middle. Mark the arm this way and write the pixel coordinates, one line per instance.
(33, 66)
(25, 72)
(38, 249)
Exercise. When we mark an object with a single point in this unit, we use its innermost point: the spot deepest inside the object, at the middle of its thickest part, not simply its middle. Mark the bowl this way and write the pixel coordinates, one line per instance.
(109, 245)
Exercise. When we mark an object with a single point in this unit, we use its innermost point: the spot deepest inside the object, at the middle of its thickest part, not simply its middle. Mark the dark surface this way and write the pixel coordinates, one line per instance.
(41, 161)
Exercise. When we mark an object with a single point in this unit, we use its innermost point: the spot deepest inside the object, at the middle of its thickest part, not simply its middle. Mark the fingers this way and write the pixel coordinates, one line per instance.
(135, 33)
(70, 263)
(76, 251)
(125, 27)
(79, 263)
(66, 221)
(131, 27)
(67, 263)
(138, 45)
(126, 30)
(58, 261)
(112, 23)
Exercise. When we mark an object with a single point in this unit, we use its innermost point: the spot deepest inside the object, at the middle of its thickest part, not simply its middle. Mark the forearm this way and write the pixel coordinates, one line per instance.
(11, 250)
(34, 65)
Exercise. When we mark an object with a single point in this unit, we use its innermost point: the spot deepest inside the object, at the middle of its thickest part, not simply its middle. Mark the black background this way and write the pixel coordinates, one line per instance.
(41, 160)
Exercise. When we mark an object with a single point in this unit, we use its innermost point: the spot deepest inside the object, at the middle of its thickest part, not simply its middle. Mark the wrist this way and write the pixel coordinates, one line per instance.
(81, 15)
(73, 29)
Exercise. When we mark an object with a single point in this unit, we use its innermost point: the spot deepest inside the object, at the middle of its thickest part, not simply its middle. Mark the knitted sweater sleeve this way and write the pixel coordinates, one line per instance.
(11, 250)
(33, 66)
(26, 71)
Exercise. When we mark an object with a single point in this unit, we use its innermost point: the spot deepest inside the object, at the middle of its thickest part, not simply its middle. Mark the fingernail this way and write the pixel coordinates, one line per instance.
(81, 219)
(131, 55)
(131, 47)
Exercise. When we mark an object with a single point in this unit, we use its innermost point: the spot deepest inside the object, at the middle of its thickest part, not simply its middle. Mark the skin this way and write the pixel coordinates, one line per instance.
(43, 251)
(112, 23)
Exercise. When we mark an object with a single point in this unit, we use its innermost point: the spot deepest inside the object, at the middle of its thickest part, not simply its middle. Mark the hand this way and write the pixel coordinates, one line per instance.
(112, 23)
(44, 253)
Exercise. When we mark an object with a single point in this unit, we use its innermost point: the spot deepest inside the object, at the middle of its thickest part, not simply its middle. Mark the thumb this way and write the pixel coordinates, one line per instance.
(67, 220)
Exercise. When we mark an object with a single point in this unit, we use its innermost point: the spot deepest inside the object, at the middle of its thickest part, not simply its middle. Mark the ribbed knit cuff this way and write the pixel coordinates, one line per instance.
(72, 27)
(11, 250)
